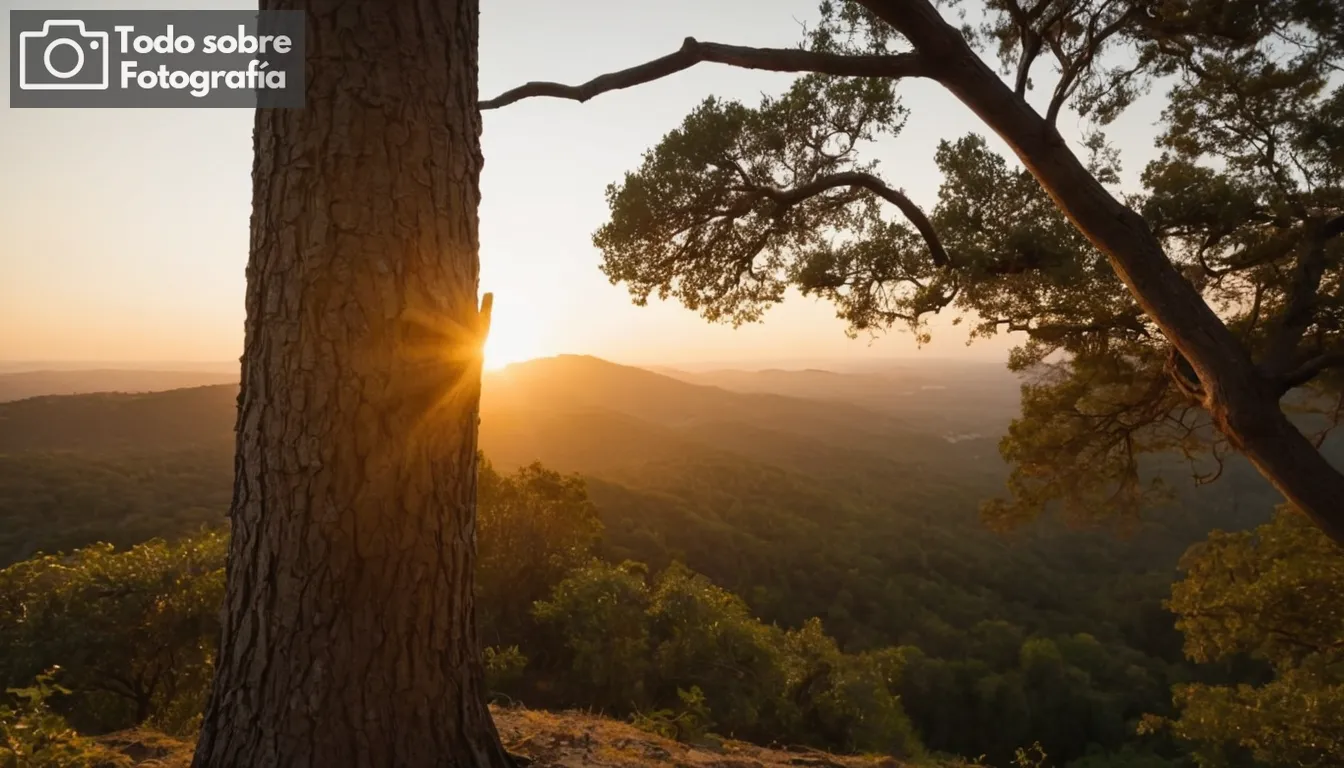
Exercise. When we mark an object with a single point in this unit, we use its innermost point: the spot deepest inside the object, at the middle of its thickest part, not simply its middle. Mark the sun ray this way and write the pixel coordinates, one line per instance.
(512, 339)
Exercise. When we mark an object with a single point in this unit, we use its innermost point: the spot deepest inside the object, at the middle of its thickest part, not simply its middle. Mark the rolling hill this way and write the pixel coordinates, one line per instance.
(849, 497)
(949, 398)
(582, 414)
(108, 465)
(808, 505)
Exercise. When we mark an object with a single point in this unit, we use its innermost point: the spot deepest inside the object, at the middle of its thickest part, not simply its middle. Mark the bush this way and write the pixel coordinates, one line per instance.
(670, 653)
(688, 722)
(134, 631)
(503, 668)
(32, 736)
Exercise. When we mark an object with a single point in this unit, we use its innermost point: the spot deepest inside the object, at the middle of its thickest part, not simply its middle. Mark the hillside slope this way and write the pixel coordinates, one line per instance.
(804, 507)
(808, 507)
(110, 423)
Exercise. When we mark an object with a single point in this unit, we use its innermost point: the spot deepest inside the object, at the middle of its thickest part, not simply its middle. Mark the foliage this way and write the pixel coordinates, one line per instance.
(1030, 757)
(598, 616)
(533, 527)
(685, 648)
(706, 218)
(56, 502)
(689, 722)
(1271, 594)
(503, 667)
(116, 468)
(33, 736)
(740, 203)
(133, 630)
(705, 638)
(851, 701)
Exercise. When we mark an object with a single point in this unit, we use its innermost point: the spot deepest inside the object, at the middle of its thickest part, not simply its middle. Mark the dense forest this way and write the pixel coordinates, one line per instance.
(797, 559)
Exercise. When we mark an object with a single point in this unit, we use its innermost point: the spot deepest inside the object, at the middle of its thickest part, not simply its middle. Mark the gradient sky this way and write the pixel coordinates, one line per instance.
(123, 233)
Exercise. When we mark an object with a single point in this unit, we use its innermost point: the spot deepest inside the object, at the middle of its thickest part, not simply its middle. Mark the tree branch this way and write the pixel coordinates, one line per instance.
(912, 212)
(693, 52)
(1310, 370)
(1301, 300)
(1239, 399)
(1030, 50)
(1069, 77)
(1030, 43)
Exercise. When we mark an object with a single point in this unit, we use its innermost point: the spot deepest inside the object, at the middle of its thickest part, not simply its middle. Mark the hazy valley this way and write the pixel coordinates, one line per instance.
(806, 493)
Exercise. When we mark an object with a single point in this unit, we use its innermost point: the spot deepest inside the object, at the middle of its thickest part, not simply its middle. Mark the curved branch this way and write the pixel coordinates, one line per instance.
(1310, 370)
(1301, 300)
(912, 212)
(693, 52)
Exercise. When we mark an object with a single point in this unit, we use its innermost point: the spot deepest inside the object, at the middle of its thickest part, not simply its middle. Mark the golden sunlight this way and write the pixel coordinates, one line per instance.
(512, 339)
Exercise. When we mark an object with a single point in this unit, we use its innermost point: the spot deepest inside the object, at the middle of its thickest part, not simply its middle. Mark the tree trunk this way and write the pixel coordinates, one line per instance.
(1242, 403)
(349, 637)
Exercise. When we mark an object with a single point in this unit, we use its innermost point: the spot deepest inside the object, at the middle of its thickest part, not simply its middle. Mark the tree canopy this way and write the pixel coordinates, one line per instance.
(1271, 595)
(1200, 314)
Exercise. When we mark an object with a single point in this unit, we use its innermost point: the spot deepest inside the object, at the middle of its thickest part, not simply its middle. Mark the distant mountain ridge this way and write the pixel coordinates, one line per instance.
(24, 384)
(579, 413)
(108, 457)
(531, 395)
(936, 396)
(107, 422)
(651, 445)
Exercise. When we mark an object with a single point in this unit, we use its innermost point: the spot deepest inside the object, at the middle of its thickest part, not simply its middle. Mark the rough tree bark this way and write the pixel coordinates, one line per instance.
(349, 637)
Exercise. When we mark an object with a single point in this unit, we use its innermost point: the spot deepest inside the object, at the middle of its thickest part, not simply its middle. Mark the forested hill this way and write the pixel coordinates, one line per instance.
(587, 415)
(676, 463)
(118, 466)
(865, 515)
(108, 423)
(847, 505)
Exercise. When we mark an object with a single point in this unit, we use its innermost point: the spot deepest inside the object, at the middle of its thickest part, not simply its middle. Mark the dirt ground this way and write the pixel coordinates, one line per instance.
(578, 740)
(552, 740)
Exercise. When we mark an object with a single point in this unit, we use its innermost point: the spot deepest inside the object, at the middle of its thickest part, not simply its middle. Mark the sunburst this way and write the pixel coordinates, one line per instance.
(513, 338)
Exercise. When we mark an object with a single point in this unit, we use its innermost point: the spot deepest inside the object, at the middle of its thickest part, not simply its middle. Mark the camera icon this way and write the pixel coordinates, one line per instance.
(64, 56)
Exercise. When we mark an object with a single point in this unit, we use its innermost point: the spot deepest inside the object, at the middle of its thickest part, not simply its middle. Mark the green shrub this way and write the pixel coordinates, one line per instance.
(503, 668)
(688, 722)
(134, 631)
(33, 736)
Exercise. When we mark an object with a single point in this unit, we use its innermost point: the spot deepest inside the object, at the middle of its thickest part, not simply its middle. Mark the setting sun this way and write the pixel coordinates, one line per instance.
(512, 339)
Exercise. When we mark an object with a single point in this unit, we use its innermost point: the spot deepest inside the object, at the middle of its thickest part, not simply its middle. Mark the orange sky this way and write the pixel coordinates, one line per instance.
(125, 231)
